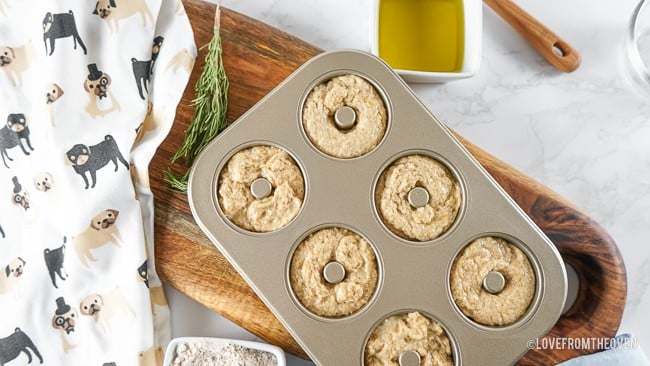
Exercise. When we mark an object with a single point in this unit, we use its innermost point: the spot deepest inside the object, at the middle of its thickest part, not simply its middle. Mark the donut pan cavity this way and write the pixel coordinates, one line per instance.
(412, 276)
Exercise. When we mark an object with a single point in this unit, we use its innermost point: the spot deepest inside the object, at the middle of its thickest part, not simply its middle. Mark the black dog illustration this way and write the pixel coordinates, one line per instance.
(155, 50)
(54, 261)
(143, 271)
(142, 70)
(92, 158)
(60, 26)
(18, 342)
(13, 134)
(20, 196)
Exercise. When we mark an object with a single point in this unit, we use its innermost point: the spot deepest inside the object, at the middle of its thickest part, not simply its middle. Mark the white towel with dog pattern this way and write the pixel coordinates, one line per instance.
(88, 90)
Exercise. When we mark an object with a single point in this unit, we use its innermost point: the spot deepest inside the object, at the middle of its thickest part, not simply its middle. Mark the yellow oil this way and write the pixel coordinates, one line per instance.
(422, 35)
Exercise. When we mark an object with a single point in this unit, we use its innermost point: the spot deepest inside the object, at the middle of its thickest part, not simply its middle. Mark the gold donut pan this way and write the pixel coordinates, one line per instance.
(412, 276)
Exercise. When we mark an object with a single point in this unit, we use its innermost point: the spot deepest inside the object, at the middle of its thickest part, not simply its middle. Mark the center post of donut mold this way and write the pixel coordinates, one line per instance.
(494, 282)
(334, 272)
(261, 188)
(418, 197)
(345, 118)
(409, 358)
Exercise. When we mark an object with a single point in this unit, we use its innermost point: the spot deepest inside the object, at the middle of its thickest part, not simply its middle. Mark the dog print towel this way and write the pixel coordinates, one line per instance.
(88, 90)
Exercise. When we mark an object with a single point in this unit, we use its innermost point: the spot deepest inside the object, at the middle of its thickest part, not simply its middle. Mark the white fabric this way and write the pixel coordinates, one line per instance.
(132, 327)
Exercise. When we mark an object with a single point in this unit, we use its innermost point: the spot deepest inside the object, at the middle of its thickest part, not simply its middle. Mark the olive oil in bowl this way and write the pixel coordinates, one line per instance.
(422, 35)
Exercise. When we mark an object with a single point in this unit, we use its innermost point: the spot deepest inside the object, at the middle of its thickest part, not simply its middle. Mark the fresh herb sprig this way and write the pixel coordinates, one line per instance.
(211, 104)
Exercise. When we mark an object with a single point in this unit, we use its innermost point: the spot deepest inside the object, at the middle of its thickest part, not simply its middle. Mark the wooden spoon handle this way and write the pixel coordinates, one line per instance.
(554, 49)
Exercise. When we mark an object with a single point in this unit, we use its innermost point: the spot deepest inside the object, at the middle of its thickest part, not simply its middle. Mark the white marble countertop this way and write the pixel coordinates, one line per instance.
(586, 134)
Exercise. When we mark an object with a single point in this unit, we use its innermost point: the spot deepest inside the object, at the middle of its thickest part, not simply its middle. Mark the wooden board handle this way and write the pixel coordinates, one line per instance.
(584, 245)
(554, 49)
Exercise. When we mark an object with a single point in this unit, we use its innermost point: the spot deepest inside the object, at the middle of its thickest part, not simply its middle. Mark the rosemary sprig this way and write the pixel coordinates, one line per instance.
(210, 114)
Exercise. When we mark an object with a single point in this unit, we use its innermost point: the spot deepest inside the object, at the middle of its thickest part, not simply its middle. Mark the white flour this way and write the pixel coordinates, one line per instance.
(208, 354)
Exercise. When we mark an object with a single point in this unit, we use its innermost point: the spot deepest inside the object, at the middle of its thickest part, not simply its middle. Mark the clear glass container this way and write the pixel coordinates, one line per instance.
(638, 45)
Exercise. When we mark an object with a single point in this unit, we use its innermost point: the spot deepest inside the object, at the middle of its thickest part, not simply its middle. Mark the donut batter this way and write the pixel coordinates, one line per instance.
(268, 213)
(408, 332)
(319, 249)
(421, 223)
(479, 258)
(321, 106)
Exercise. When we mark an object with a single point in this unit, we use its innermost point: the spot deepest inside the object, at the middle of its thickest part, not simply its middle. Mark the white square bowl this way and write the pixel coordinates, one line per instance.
(473, 25)
(223, 342)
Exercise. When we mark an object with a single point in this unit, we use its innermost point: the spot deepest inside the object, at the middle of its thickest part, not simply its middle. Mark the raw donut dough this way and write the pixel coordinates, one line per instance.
(269, 213)
(423, 223)
(474, 263)
(345, 297)
(408, 332)
(325, 99)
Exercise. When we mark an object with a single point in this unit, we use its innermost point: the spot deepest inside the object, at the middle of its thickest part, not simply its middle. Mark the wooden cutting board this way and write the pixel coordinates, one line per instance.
(257, 57)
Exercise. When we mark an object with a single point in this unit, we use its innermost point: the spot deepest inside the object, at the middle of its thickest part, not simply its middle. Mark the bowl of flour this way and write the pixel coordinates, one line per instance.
(207, 351)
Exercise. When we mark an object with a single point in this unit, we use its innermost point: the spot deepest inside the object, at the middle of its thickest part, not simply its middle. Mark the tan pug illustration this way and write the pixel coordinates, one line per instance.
(53, 92)
(140, 181)
(147, 125)
(47, 189)
(157, 295)
(20, 197)
(101, 100)
(15, 60)
(182, 60)
(102, 230)
(4, 5)
(65, 320)
(105, 307)
(10, 276)
(115, 10)
(44, 182)
(152, 357)
(180, 9)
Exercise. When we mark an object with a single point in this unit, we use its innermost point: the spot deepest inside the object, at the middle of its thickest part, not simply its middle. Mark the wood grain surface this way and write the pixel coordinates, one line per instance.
(257, 57)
